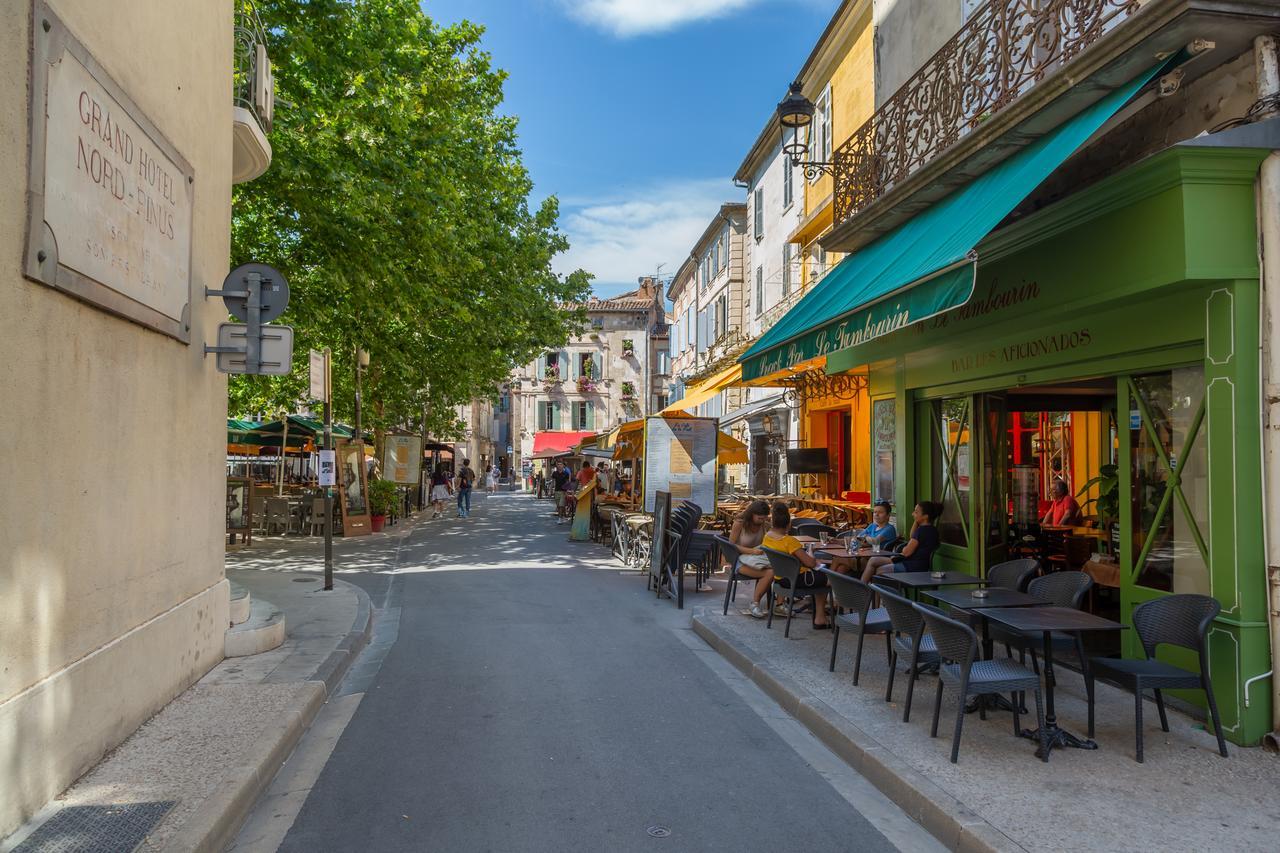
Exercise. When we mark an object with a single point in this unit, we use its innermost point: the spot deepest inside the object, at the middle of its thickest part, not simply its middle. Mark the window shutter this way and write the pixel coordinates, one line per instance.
(591, 416)
(759, 205)
(759, 289)
(562, 361)
(786, 268)
(597, 364)
(787, 191)
(555, 414)
(540, 367)
(542, 416)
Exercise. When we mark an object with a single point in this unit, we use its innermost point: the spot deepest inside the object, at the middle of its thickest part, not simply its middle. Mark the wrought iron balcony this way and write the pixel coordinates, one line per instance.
(1001, 52)
(253, 96)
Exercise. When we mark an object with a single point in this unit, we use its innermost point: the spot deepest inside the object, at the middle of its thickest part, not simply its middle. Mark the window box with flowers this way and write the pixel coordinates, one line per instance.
(628, 347)
(628, 391)
(551, 375)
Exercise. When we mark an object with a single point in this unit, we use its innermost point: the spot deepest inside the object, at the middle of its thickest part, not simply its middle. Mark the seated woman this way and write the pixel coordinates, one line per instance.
(747, 533)
(917, 556)
(779, 539)
(879, 533)
(1063, 511)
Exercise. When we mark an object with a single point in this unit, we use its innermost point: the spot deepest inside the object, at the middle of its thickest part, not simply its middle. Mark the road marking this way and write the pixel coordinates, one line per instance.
(881, 812)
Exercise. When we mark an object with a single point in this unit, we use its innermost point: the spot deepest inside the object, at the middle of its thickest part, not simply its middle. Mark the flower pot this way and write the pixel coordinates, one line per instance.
(376, 522)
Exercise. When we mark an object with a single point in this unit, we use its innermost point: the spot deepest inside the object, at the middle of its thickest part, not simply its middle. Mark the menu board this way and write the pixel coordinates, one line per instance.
(680, 458)
(402, 459)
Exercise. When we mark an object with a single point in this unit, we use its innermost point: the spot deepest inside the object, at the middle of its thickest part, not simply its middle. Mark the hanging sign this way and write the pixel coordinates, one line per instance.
(328, 470)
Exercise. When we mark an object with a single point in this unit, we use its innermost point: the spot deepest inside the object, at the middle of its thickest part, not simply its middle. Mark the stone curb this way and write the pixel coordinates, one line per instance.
(946, 818)
(216, 821)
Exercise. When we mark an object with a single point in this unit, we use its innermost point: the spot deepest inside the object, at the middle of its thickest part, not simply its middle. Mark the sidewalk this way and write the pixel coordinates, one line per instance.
(204, 758)
(1000, 796)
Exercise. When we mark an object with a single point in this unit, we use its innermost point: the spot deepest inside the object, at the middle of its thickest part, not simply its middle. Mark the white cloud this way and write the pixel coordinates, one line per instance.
(626, 18)
(619, 240)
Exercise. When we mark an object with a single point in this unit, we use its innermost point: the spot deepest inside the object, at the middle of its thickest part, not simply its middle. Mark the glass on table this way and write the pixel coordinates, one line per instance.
(824, 537)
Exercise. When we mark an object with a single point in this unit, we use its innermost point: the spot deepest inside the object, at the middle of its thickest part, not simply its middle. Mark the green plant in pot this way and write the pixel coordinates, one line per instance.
(383, 498)
(1107, 504)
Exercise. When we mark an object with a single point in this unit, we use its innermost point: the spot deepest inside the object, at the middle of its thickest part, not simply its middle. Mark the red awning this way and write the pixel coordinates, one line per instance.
(548, 444)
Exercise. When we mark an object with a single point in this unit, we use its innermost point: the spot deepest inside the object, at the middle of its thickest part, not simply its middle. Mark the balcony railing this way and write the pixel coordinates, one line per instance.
(774, 314)
(253, 86)
(1001, 52)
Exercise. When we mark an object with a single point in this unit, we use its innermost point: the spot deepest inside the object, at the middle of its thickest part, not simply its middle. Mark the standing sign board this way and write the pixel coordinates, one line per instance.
(680, 458)
(658, 547)
(239, 519)
(402, 459)
(353, 489)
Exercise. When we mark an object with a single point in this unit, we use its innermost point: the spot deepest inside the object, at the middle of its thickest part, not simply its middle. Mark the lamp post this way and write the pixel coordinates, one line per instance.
(362, 361)
(795, 114)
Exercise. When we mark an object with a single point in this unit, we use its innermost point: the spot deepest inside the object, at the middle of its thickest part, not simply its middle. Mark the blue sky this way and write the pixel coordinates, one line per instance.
(636, 113)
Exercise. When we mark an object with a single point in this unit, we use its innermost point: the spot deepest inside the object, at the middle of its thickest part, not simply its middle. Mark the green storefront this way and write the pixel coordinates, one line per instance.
(1135, 304)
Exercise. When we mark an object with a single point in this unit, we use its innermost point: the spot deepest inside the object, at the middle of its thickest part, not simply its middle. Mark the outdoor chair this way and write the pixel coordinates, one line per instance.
(785, 567)
(316, 520)
(278, 515)
(731, 553)
(808, 527)
(1013, 574)
(621, 547)
(1180, 620)
(907, 637)
(959, 667)
(855, 597)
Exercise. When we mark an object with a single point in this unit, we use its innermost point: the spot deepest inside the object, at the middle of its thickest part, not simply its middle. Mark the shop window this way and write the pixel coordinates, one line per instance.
(884, 439)
(950, 463)
(1169, 500)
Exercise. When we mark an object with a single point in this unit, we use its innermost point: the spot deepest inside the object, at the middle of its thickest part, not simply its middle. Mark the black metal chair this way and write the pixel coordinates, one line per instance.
(785, 568)
(909, 639)
(1181, 620)
(855, 597)
(958, 652)
(1013, 574)
(810, 527)
(733, 554)
(1061, 589)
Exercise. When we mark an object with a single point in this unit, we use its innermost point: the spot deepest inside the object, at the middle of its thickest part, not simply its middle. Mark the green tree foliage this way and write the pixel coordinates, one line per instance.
(397, 206)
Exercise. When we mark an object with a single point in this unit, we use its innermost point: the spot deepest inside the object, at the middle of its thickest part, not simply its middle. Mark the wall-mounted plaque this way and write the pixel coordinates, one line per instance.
(110, 199)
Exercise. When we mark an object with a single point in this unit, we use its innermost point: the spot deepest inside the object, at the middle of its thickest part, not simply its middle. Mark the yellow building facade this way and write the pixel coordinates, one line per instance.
(839, 78)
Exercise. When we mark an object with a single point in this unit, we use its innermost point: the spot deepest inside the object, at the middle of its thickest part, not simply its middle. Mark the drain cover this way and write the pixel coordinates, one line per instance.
(306, 580)
(658, 831)
(96, 829)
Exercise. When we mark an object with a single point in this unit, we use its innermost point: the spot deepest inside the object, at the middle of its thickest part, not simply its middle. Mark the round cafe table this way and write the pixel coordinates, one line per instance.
(840, 554)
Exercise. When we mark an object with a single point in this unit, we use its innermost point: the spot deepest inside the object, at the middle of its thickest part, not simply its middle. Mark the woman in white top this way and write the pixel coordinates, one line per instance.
(494, 474)
(747, 533)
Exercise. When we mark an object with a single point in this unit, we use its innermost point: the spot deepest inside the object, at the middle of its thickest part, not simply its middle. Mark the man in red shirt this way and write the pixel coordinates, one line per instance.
(587, 474)
(1063, 510)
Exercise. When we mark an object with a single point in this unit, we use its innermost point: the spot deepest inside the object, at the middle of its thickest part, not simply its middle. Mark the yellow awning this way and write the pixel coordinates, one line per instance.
(706, 389)
(730, 451)
(627, 441)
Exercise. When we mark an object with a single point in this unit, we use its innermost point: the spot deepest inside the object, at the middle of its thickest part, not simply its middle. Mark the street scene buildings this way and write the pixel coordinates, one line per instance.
(572, 457)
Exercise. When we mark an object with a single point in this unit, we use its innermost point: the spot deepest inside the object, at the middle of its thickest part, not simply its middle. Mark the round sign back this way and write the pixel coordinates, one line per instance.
(273, 292)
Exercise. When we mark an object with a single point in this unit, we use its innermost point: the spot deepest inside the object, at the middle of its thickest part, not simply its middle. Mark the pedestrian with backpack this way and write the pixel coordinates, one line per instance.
(466, 479)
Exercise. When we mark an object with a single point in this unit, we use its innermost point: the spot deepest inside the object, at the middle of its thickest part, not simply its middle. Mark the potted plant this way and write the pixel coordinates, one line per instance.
(628, 346)
(551, 375)
(1107, 503)
(628, 390)
(383, 497)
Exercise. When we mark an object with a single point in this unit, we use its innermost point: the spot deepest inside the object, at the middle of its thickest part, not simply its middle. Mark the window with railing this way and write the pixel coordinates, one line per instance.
(1003, 50)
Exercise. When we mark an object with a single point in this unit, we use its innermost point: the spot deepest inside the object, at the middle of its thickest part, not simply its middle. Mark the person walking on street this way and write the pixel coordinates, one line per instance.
(494, 475)
(466, 479)
(560, 478)
(440, 489)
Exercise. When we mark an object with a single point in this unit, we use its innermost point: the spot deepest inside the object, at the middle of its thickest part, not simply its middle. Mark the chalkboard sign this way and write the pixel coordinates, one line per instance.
(658, 550)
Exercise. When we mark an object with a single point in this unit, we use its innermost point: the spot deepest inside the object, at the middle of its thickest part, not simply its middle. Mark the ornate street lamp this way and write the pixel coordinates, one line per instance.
(795, 114)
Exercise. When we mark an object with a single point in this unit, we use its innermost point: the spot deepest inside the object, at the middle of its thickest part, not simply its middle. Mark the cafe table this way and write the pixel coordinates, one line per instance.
(1044, 621)
(841, 552)
(926, 580)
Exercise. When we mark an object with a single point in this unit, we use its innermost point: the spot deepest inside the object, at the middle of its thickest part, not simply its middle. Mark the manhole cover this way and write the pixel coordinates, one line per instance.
(306, 580)
(96, 829)
(658, 831)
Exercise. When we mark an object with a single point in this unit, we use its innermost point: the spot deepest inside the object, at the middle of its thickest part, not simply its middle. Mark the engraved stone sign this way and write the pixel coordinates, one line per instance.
(111, 199)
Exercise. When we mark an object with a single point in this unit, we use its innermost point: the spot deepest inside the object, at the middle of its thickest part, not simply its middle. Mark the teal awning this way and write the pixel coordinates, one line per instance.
(927, 265)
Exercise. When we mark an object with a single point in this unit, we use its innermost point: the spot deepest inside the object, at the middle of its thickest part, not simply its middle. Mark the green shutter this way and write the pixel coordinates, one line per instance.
(542, 416)
(598, 364)
(555, 414)
(591, 415)
(562, 360)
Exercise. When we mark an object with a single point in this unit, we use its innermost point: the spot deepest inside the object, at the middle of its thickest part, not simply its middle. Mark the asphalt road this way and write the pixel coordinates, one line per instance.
(535, 698)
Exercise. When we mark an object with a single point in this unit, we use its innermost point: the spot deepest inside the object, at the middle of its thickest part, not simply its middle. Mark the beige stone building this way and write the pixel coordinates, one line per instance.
(614, 371)
(120, 129)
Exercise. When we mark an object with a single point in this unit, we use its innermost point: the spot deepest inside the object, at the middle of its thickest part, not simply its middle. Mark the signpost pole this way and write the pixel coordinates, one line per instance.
(328, 490)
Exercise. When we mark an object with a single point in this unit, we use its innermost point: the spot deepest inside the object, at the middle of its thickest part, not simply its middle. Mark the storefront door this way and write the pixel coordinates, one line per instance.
(945, 475)
(993, 503)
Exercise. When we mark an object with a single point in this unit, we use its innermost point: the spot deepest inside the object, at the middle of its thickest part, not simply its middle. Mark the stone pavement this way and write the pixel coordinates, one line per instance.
(213, 749)
(1184, 797)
